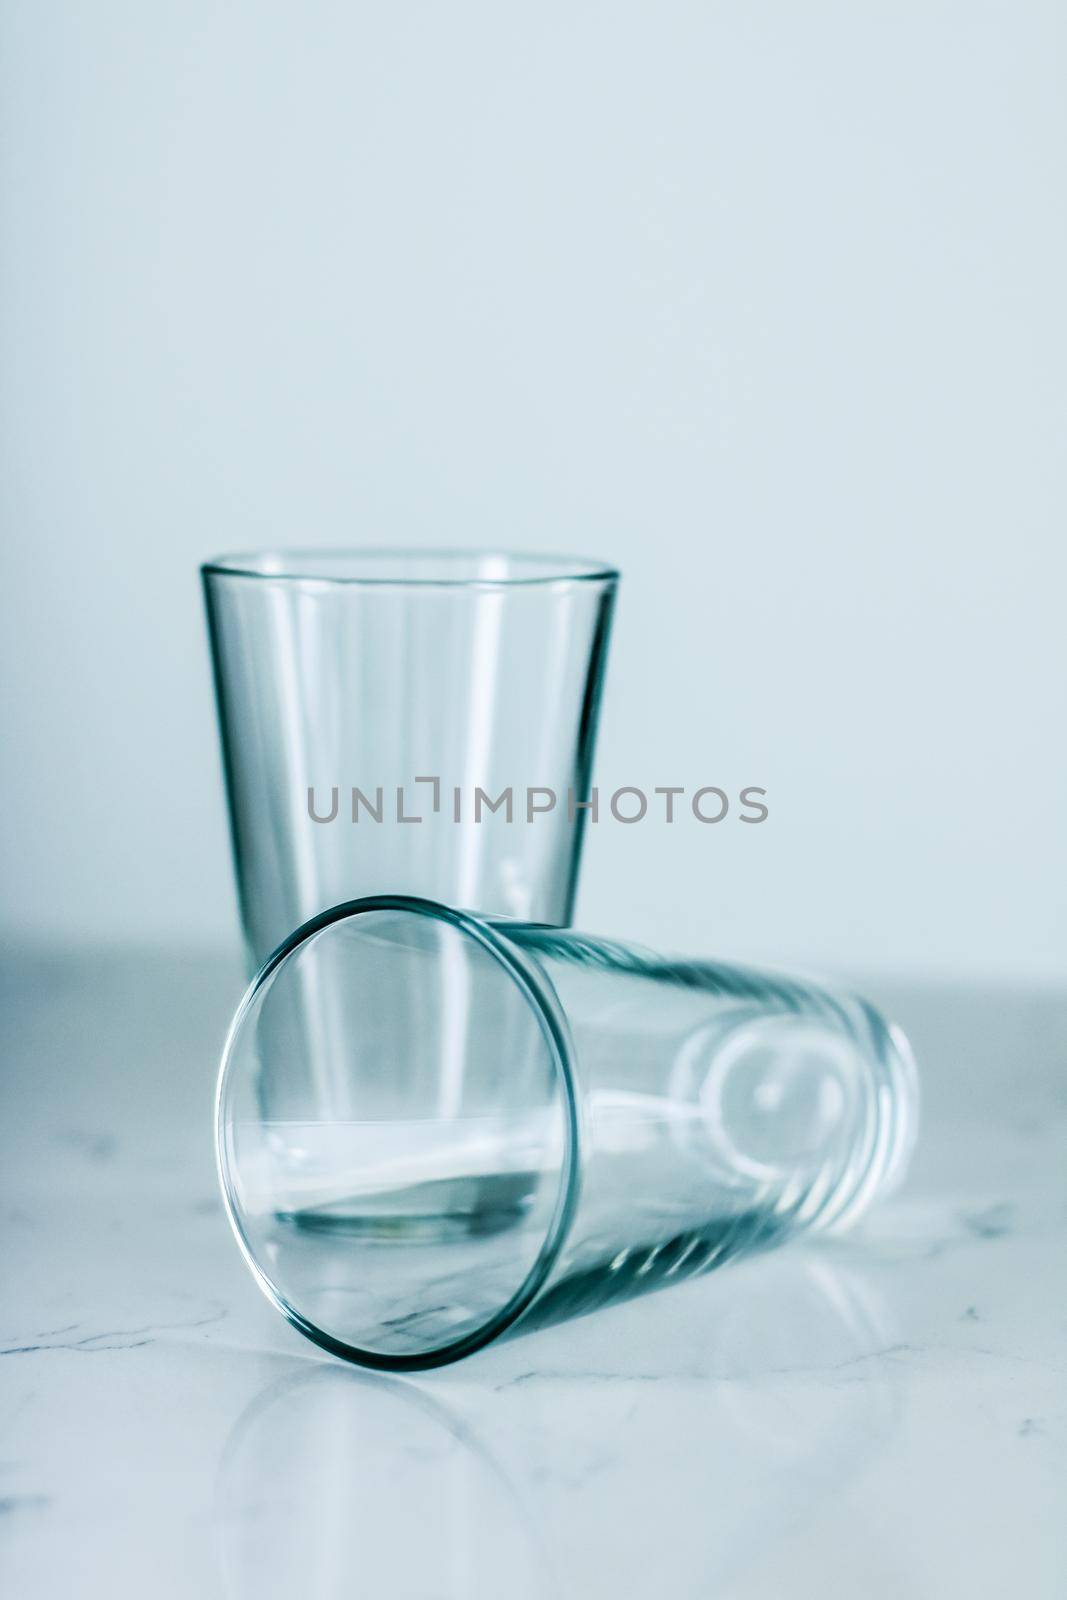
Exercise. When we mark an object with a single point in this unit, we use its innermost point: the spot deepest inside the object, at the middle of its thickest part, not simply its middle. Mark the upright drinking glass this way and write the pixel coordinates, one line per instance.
(597, 1121)
(360, 689)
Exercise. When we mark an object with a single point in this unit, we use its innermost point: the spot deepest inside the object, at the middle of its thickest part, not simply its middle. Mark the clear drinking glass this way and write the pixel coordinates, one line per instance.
(597, 1121)
(406, 675)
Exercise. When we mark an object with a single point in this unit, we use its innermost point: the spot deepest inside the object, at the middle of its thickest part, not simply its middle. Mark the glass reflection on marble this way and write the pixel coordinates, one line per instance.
(640, 1464)
(337, 1484)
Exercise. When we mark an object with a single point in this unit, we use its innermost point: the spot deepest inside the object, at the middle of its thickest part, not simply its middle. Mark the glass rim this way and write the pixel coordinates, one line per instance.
(540, 995)
(295, 566)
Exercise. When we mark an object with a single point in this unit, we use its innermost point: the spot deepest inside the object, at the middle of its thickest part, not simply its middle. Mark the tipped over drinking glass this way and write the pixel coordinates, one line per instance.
(524, 1123)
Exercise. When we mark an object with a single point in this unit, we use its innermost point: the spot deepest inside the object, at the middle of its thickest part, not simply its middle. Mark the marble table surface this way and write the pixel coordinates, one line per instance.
(881, 1416)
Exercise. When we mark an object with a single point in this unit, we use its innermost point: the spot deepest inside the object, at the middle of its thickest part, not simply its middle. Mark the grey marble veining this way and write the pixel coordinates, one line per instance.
(884, 1416)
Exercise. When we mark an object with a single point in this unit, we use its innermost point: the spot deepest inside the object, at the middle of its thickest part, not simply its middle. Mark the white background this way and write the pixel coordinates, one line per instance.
(763, 302)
